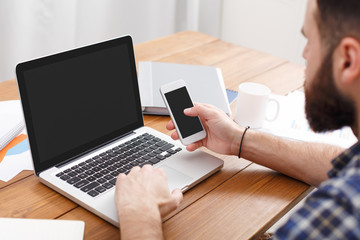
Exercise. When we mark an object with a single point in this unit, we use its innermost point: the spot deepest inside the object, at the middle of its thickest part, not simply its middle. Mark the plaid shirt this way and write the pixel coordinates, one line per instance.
(333, 210)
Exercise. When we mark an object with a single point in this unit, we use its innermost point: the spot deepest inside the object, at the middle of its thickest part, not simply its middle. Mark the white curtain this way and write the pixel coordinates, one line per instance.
(34, 28)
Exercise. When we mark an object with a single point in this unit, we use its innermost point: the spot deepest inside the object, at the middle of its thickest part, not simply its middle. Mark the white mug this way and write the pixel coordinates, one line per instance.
(251, 105)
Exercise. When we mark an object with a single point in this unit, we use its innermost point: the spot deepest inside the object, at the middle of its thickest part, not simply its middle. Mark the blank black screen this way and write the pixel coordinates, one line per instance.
(179, 100)
(76, 101)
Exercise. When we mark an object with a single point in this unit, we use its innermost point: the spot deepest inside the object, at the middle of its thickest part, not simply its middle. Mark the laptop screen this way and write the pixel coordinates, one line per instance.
(78, 100)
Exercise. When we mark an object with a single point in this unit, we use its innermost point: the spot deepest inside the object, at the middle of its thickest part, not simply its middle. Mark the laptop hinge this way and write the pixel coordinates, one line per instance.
(92, 150)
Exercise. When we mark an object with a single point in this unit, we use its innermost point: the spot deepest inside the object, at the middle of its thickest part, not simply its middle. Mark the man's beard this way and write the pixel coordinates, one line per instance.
(325, 107)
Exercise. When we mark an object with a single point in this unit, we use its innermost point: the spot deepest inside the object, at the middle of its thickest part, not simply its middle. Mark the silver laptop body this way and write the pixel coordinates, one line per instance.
(83, 106)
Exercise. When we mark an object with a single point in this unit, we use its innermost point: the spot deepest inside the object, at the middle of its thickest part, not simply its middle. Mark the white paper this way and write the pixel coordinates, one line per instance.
(11, 126)
(31, 229)
(11, 121)
(10, 107)
(17, 158)
(12, 165)
(292, 123)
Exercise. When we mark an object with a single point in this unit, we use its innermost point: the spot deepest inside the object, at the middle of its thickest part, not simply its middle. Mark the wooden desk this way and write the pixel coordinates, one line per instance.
(240, 202)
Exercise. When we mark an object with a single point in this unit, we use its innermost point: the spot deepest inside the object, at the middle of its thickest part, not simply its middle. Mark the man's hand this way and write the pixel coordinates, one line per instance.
(142, 198)
(222, 133)
(147, 185)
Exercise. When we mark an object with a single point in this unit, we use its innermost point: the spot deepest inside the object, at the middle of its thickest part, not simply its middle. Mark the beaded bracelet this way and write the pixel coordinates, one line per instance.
(242, 138)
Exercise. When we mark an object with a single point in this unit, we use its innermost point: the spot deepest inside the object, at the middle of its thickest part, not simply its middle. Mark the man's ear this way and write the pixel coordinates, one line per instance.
(347, 60)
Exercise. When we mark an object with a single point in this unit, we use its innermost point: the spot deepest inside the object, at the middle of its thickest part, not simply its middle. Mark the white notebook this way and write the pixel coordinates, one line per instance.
(31, 229)
(11, 121)
(205, 85)
(9, 130)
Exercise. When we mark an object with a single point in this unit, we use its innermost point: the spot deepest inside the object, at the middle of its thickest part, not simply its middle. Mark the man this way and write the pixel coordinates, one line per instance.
(332, 88)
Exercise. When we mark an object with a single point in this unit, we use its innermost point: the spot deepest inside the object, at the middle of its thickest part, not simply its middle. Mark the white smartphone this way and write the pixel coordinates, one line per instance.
(177, 98)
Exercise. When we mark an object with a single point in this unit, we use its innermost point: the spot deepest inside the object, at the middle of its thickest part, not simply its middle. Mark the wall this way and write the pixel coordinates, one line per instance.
(23, 35)
(143, 20)
(271, 26)
(34, 28)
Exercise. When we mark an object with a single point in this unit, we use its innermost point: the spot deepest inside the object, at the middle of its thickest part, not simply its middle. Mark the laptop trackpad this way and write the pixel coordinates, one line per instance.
(175, 178)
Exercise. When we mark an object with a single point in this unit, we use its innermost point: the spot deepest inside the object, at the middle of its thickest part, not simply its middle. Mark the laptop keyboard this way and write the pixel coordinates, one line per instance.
(98, 174)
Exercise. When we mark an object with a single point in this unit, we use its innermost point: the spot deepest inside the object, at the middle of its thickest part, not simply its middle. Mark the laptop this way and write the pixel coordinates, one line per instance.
(85, 125)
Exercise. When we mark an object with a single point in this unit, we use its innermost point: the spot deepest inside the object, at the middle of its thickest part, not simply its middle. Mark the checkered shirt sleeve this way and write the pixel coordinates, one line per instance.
(333, 211)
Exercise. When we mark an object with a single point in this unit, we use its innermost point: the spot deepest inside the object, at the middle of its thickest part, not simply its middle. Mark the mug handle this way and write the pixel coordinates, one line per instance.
(277, 110)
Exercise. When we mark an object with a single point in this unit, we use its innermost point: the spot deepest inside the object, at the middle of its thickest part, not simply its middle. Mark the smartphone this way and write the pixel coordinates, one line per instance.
(177, 98)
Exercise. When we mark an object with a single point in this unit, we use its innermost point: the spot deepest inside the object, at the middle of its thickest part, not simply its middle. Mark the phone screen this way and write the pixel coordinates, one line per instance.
(179, 100)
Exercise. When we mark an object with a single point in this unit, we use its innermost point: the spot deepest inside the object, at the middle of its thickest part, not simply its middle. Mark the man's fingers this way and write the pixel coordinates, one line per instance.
(161, 172)
(170, 125)
(146, 167)
(193, 146)
(177, 196)
(134, 170)
(175, 135)
(172, 204)
(119, 180)
(192, 112)
(202, 110)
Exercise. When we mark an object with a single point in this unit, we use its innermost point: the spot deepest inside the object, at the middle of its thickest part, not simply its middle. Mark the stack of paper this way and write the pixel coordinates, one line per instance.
(15, 156)
(11, 122)
(292, 123)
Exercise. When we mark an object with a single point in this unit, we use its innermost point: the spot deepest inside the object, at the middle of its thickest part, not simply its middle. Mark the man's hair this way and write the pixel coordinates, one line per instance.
(337, 19)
